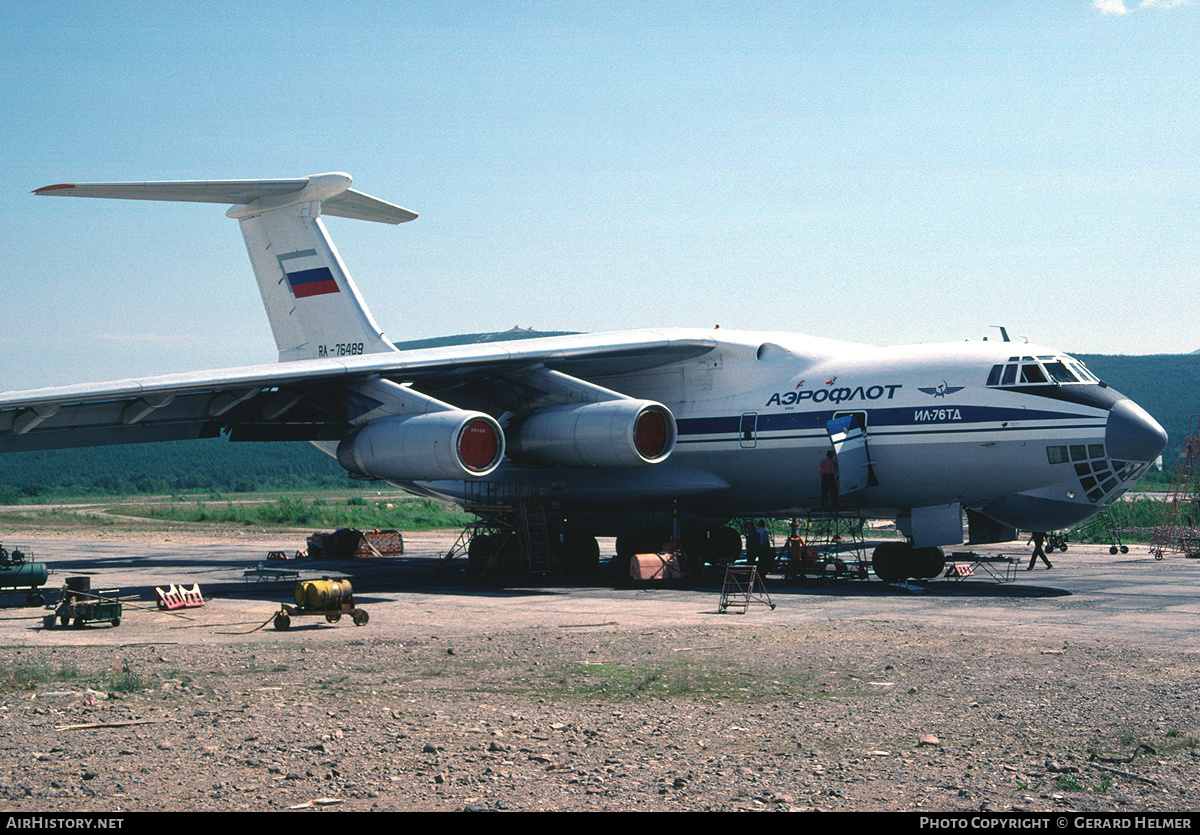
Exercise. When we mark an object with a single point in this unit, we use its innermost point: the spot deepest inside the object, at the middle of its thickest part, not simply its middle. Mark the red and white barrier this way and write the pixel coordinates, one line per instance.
(178, 597)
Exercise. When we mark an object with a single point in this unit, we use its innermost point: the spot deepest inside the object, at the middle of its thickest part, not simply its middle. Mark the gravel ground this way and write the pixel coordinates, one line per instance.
(587, 708)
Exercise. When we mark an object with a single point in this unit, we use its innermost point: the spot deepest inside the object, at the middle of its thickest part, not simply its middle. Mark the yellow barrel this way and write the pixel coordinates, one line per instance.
(323, 595)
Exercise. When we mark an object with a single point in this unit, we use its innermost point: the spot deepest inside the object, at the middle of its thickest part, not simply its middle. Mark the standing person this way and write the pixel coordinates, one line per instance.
(829, 489)
(761, 539)
(1039, 537)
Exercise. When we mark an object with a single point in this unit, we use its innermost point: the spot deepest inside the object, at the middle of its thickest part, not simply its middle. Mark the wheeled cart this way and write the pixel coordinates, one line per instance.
(329, 598)
(78, 605)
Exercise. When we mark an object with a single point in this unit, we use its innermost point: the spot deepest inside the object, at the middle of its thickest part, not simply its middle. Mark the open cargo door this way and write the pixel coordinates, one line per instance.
(850, 446)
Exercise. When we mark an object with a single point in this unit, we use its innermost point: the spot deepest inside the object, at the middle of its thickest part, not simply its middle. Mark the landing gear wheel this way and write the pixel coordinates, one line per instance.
(1124, 549)
(582, 557)
(888, 561)
(927, 563)
(481, 549)
(724, 546)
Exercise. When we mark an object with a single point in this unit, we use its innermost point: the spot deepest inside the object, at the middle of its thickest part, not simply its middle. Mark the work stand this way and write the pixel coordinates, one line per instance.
(510, 532)
(964, 564)
(742, 587)
(828, 545)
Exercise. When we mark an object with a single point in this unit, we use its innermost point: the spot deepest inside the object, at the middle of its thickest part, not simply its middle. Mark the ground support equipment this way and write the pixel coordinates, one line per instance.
(178, 597)
(326, 598)
(1099, 530)
(78, 605)
(1179, 530)
(510, 534)
(18, 572)
(262, 574)
(964, 564)
(829, 545)
(742, 587)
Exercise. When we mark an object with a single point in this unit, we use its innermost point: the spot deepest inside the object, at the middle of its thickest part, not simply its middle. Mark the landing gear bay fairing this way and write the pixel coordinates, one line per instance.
(631, 433)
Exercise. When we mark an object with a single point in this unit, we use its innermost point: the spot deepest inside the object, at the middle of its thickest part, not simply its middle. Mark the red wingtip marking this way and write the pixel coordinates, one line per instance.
(45, 189)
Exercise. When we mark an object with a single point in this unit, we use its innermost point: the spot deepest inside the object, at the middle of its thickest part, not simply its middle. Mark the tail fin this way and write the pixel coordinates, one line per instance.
(312, 304)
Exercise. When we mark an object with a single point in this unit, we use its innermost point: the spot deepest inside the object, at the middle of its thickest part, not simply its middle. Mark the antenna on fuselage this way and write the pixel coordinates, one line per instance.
(1003, 333)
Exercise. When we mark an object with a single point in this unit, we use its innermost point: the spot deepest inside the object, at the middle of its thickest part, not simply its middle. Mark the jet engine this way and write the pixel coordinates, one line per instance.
(430, 447)
(613, 433)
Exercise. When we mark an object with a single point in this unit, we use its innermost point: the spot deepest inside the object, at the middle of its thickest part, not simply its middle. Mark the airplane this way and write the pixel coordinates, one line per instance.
(640, 434)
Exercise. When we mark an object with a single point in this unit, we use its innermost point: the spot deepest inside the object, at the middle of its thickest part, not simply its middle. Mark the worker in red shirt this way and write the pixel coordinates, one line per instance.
(829, 490)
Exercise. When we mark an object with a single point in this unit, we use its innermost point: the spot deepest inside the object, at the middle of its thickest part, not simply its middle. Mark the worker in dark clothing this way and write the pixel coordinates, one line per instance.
(829, 488)
(758, 547)
(1039, 538)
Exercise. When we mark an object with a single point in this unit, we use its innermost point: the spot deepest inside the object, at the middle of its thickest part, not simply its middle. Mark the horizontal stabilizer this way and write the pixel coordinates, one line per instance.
(332, 190)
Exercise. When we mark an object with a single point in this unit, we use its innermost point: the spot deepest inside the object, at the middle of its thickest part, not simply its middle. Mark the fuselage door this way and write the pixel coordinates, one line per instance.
(850, 446)
(748, 430)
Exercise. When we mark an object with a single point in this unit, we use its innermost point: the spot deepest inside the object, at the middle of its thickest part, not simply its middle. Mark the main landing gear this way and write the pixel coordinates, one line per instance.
(896, 561)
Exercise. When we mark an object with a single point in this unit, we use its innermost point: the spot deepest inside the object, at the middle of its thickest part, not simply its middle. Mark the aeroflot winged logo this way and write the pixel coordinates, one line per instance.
(315, 282)
(940, 391)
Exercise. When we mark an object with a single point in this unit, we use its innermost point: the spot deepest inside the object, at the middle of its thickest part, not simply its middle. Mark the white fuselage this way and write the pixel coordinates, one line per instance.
(752, 428)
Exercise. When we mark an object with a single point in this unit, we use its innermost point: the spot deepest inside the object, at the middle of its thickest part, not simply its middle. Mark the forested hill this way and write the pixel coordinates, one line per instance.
(1165, 385)
(1168, 386)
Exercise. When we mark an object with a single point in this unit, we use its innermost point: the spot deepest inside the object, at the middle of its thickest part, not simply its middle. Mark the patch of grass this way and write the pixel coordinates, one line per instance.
(1068, 783)
(124, 681)
(27, 676)
(401, 513)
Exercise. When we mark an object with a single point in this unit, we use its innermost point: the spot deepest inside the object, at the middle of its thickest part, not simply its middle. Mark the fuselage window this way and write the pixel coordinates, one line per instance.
(1057, 454)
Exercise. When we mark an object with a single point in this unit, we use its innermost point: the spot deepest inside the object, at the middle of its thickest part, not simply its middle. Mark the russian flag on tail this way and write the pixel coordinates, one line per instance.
(315, 282)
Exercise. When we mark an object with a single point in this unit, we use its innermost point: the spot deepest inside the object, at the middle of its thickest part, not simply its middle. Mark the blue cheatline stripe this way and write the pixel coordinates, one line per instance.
(315, 282)
(895, 420)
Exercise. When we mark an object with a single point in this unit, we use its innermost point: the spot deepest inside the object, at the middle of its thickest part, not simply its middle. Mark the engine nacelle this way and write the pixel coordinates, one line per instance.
(612, 433)
(429, 447)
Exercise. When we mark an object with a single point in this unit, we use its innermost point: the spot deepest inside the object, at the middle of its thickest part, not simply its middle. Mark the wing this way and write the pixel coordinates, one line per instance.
(320, 399)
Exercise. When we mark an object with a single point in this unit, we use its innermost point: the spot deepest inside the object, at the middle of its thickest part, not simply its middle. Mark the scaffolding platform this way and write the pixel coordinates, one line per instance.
(828, 545)
(1179, 530)
(510, 533)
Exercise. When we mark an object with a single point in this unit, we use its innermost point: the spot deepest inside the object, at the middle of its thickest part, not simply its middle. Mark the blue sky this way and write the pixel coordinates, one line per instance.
(883, 172)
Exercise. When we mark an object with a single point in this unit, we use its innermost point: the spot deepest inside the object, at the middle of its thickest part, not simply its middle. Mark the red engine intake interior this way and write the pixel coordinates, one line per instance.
(477, 445)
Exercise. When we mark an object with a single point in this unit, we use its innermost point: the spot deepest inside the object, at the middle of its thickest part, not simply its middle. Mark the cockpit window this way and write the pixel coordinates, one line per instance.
(1032, 374)
(1040, 371)
(1059, 372)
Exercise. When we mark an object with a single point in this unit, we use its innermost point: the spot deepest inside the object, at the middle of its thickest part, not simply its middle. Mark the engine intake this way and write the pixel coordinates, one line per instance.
(429, 447)
(613, 433)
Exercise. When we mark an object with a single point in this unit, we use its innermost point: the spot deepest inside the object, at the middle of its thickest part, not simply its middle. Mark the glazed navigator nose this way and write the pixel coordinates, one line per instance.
(1132, 435)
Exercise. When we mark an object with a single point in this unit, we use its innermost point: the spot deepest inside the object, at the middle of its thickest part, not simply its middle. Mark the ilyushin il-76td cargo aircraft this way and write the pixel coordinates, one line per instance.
(629, 433)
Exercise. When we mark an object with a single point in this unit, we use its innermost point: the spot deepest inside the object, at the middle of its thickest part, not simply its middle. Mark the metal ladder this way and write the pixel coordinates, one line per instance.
(739, 589)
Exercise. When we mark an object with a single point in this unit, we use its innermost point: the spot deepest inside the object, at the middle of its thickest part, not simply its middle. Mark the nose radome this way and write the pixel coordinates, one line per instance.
(1132, 435)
